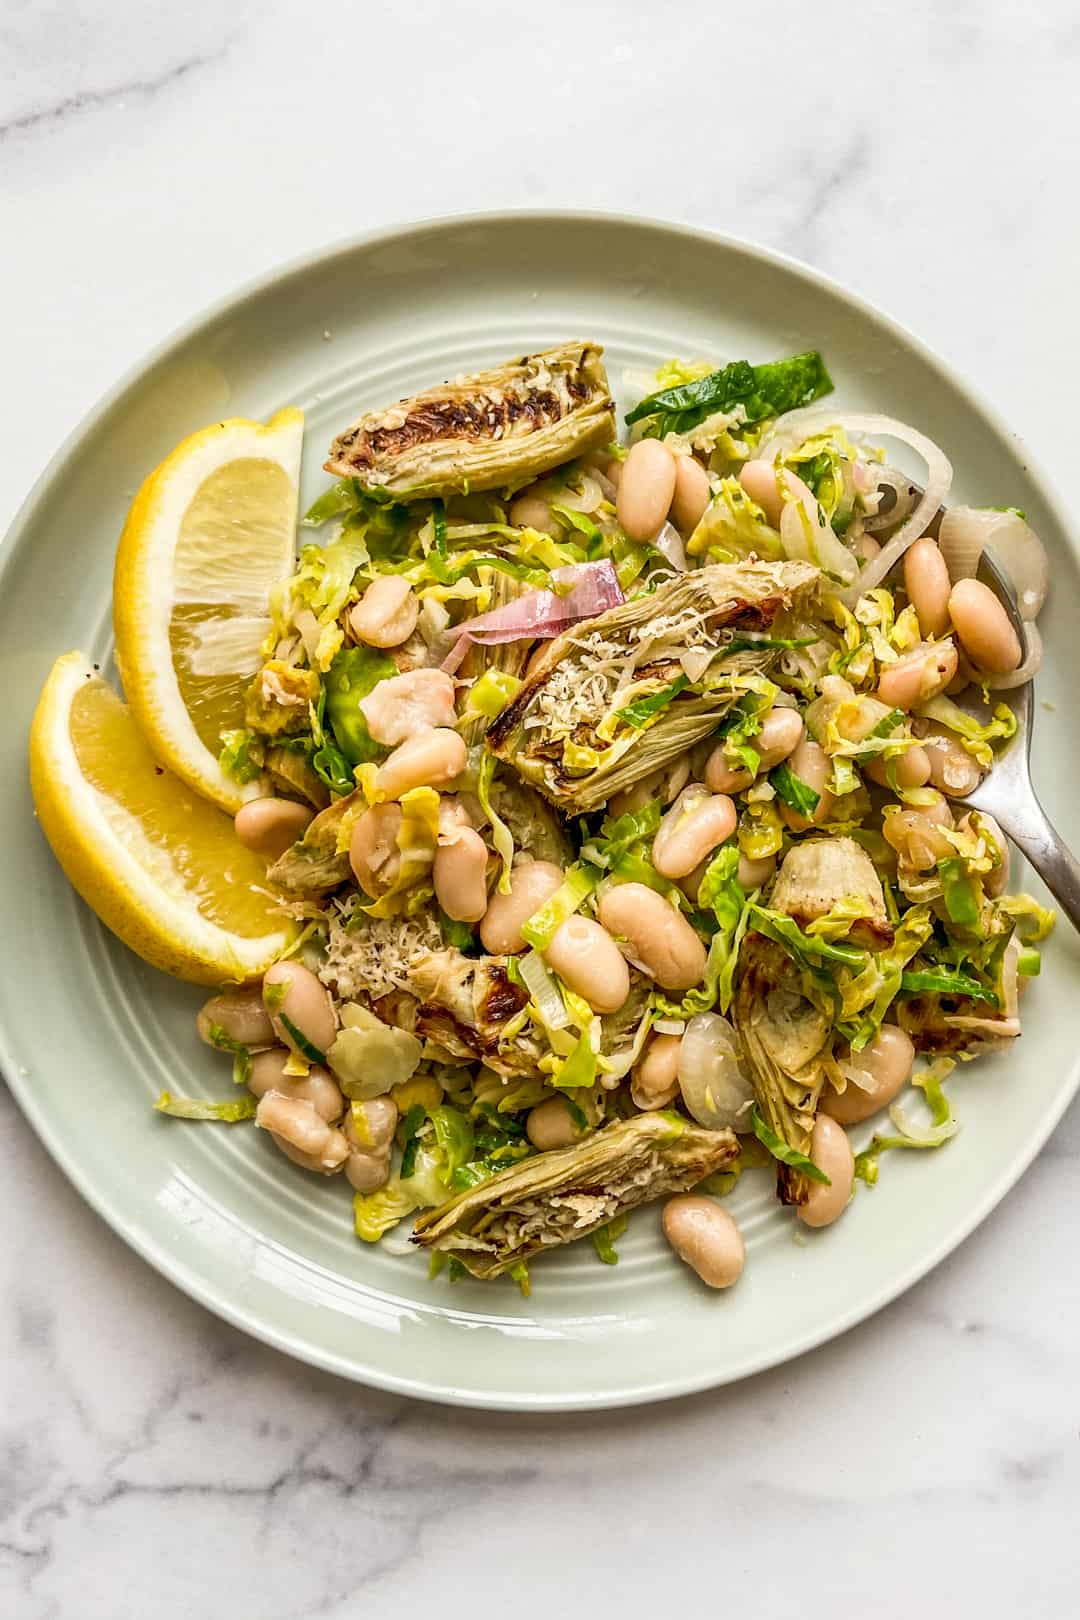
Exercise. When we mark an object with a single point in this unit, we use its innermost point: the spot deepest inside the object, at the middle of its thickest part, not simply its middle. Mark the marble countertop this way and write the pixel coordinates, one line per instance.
(152, 157)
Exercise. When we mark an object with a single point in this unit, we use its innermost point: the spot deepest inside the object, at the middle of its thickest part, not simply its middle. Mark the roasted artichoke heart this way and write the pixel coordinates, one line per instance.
(468, 1006)
(498, 429)
(466, 1003)
(820, 874)
(787, 1036)
(612, 700)
(534, 825)
(785, 1041)
(561, 1196)
(314, 864)
(293, 776)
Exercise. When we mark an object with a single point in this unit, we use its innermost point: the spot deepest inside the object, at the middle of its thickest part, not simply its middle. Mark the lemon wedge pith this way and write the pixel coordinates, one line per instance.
(159, 865)
(209, 534)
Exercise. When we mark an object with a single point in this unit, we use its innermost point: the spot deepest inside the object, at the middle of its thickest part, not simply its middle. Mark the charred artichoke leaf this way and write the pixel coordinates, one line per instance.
(314, 865)
(942, 1025)
(572, 730)
(497, 429)
(558, 1197)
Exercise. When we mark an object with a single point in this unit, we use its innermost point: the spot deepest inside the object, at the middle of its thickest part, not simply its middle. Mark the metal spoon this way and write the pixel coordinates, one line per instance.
(1006, 792)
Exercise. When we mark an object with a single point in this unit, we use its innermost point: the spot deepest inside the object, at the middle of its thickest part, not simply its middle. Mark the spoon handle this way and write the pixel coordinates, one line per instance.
(1029, 827)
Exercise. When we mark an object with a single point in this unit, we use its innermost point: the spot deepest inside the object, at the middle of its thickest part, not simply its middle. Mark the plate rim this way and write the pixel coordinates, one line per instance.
(178, 1271)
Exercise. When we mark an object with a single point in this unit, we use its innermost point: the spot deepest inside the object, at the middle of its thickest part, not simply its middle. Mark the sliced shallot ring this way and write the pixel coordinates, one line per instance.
(587, 501)
(1024, 672)
(670, 543)
(967, 531)
(807, 421)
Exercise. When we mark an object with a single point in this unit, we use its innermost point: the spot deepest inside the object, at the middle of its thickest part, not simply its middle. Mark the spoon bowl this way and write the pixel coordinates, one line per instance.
(1007, 792)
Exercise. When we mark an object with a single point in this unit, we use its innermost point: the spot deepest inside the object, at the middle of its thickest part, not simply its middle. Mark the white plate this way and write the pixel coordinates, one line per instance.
(90, 1034)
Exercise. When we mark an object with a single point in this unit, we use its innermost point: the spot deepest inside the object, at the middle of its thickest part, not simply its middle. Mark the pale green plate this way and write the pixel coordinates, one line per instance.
(90, 1034)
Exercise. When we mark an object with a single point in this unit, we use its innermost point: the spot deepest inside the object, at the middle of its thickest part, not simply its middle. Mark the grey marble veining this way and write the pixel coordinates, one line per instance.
(152, 1459)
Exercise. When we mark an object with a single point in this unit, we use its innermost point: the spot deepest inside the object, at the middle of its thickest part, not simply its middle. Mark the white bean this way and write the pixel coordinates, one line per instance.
(926, 580)
(271, 826)
(911, 769)
(292, 992)
(706, 1237)
(373, 849)
(952, 768)
(917, 836)
(831, 1151)
(461, 876)
(918, 676)
(301, 1133)
(316, 1087)
(691, 884)
(239, 1015)
(665, 784)
(386, 614)
(551, 1125)
(810, 764)
(531, 884)
(754, 874)
(723, 777)
(772, 488)
(782, 731)
(995, 881)
(584, 955)
(938, 811)
(654, 1082)
(529, 511)
(645, 489)
(370, 1125)
(660, 940)
(887, 1061)
(983, 626)
(696, 824)
(453, 813)
(401, 706)
(692, 494)
(758, 479)
(433, 759)
(367, 1172)
(965, 675)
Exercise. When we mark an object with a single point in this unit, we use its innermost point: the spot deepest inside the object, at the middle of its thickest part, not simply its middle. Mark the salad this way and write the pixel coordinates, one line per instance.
(610, 782)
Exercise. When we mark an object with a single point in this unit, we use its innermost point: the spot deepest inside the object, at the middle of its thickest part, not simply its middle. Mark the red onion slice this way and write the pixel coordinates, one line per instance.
(541, 615)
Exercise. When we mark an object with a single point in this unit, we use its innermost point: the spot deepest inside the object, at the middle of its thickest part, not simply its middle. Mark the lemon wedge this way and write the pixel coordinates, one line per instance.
(161, 867)
(210, 532)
